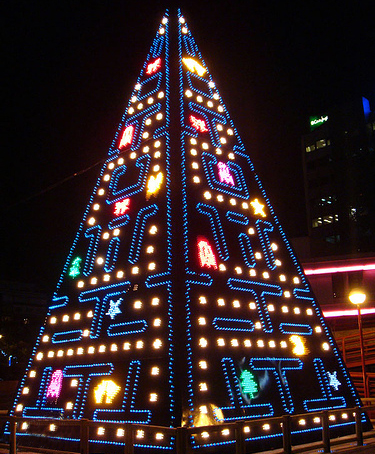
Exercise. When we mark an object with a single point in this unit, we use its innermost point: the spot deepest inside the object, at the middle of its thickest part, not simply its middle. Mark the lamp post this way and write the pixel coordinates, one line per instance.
(358, 297)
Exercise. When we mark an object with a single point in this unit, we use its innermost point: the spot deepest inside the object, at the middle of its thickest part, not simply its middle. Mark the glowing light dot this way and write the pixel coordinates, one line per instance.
(155, 301)
(203, 386)
(203, 364)
(203, 342)
(155, 370)
(157, 343)
(153, 397)
(153, 230)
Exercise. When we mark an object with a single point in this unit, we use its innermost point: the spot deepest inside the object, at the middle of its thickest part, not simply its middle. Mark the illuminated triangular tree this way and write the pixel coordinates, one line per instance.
(181, 301)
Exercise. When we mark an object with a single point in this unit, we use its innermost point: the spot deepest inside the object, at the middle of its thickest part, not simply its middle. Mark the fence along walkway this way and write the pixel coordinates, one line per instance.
(182, 434)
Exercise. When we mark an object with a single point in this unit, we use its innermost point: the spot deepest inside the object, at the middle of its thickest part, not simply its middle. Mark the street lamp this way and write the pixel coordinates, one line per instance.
(358, 297)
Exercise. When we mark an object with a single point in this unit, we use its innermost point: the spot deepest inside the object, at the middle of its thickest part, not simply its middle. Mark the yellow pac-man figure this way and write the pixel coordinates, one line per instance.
(106, 389)
(154, 184)
(194, 66)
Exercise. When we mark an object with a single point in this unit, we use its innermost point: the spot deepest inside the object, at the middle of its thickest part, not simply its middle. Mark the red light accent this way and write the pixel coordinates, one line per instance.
(127, 136)
(198, 124)
(153, 67)
(206, 255)
(340, 269)
(121, 207)
(348, 312)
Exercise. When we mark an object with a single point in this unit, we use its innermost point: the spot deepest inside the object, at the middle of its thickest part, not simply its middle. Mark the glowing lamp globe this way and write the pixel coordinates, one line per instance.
(357, 297)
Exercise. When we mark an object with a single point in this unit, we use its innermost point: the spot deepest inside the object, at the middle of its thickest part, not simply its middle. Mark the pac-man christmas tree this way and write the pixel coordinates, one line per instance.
(181, 301)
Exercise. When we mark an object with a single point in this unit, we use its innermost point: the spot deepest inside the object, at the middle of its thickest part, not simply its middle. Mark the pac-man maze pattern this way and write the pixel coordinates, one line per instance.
(256, 342)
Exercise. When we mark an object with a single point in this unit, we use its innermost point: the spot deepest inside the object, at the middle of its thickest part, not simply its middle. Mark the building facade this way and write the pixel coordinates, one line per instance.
(339, 175)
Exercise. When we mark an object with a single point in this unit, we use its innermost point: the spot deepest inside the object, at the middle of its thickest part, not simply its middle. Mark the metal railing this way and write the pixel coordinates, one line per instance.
(182, 435)
(351, 352)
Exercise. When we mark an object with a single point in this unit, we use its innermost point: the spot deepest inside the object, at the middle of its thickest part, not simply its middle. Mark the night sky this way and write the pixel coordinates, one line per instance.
(69, 71)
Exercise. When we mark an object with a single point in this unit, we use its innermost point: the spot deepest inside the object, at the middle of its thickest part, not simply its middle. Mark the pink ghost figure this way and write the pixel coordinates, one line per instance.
(54, 387)
(224, 174)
